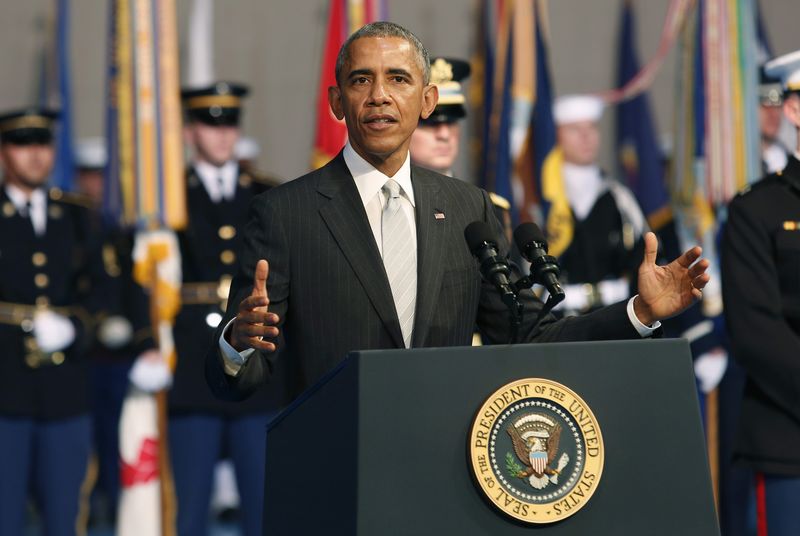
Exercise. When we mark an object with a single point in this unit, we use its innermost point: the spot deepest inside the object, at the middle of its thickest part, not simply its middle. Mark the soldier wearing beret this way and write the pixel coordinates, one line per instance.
(49, 259)
(761, 291)
(203, 428)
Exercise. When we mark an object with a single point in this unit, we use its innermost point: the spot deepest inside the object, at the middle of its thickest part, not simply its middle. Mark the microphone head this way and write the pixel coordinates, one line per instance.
(478, 233)
(527, 233)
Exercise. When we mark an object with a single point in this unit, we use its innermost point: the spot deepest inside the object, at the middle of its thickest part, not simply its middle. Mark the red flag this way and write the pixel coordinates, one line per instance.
(331, 133)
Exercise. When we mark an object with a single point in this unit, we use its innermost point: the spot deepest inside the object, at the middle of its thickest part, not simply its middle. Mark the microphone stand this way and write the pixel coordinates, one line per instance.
(526, 283)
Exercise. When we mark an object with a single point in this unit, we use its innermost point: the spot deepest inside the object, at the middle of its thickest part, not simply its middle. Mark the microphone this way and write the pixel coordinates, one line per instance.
(494, 268)
(544, 268)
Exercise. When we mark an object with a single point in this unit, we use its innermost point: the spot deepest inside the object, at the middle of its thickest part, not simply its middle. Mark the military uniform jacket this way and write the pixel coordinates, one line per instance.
(208, 254)
(604, 245)
(60, 270)
(761, 291)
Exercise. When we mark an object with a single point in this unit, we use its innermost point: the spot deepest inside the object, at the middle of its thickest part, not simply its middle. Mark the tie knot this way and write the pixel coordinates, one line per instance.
(392, 189)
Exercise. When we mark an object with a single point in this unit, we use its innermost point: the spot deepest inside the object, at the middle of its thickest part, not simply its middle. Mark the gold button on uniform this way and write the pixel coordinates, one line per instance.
(32, 360)
(227, 257)
(39, 259)
(226, 232)
(41, 280)
(8, 209)
(58, 358)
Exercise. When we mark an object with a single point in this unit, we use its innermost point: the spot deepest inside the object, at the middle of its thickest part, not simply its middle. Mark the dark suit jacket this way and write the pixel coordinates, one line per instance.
(761, 289)
(328, 285)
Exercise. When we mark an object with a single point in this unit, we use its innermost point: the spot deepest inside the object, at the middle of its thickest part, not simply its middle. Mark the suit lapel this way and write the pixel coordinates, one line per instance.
(431, 242)
(346, 218)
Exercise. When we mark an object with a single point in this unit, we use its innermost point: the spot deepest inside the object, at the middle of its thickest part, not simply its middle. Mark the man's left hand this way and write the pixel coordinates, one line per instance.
(665, 291)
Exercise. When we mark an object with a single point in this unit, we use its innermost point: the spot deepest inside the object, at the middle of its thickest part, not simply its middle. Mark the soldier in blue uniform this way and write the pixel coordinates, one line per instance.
(435, 143)
(202, 427)
(761, 291)
(48, 262)
(123, 335)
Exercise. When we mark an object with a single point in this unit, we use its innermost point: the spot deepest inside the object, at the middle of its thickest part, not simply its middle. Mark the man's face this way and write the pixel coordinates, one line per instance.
(213, 144)
(27, 166)
(90, 183)
(791, 109)
(435, 146)
(580, 142)
(381, 97)
(769, 119)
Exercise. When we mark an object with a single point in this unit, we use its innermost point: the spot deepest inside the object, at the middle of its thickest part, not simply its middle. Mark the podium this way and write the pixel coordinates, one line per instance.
(380, 446)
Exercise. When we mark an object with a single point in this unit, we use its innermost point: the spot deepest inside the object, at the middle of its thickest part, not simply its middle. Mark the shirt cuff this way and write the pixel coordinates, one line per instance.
(232, 361)
(641, 329)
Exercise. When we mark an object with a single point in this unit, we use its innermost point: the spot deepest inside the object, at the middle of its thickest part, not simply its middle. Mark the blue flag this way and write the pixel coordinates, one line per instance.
(640, 158)
(55, 93)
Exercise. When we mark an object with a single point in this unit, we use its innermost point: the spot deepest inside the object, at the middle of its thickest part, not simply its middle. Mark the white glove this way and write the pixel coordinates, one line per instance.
(53, 331)
(150, 372)
(115, 332)
(710, 368)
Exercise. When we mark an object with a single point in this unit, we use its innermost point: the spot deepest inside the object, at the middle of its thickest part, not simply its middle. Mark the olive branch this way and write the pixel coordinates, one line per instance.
(512, 466)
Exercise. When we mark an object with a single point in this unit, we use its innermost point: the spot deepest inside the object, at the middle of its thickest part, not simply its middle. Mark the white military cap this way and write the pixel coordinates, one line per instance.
(576, 108)
(91, 153)
(787, 68)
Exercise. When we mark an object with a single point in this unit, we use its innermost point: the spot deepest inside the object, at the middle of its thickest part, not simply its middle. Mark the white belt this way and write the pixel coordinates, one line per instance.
(582, 297)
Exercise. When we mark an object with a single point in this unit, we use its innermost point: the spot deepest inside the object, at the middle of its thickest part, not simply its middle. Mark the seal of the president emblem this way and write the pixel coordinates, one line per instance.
(536, 450)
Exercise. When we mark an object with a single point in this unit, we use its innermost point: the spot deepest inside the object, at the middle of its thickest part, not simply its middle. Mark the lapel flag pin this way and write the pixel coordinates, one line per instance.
(438, 215)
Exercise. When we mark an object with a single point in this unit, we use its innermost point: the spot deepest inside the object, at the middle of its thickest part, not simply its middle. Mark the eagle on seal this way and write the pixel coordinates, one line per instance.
(535, 438)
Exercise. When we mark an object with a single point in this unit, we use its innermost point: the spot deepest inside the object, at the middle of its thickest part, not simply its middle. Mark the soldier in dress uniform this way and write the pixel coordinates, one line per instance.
(435, 143)
(49, 259)
(202, 427)
(123, 336)
(774, 155)
(761, 290)
(599, 264)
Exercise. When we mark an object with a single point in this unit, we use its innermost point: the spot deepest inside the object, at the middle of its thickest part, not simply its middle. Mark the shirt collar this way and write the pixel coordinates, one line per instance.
(209, 172)
(20, 199)
(369, 180)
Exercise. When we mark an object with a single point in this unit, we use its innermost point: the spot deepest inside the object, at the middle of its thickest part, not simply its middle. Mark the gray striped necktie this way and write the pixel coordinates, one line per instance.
(399, 258)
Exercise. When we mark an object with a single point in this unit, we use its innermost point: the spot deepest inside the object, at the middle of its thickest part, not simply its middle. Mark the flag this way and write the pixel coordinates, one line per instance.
(344, 17)
(144, 183)
(639, 156)
(145, 188)
(55, 92)
(518, 131)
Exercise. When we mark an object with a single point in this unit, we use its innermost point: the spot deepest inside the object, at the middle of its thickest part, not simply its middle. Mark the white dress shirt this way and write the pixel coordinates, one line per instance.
(38, 208)
(219, 182)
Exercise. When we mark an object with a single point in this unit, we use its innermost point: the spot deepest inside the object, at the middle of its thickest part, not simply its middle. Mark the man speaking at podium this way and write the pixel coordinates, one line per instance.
(368, 252)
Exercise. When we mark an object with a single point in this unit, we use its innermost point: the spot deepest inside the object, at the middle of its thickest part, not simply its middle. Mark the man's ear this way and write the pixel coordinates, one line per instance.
(335, 101)
(430, 98)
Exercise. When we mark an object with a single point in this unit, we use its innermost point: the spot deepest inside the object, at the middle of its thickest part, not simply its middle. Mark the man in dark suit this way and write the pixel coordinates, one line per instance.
(329, 235)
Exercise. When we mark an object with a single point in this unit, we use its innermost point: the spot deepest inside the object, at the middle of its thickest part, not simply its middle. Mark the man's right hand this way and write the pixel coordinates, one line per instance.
(253, 322)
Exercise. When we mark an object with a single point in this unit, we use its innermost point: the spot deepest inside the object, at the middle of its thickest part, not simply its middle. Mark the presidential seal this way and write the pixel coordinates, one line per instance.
(536, 450)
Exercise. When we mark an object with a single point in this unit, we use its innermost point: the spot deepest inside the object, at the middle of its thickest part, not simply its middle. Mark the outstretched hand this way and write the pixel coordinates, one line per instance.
(665, 291)
(253, 321)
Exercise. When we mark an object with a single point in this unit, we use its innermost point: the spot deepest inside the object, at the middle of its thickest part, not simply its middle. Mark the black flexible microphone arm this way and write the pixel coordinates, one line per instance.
(544, 267)
(495, 269)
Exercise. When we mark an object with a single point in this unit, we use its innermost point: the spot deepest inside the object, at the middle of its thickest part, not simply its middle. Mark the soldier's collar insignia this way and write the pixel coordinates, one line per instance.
(536, 451)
